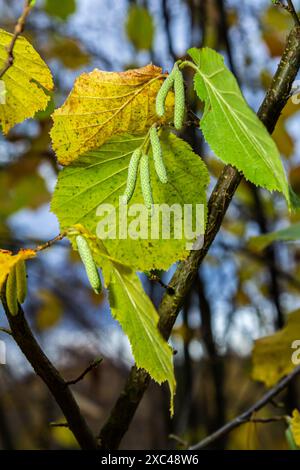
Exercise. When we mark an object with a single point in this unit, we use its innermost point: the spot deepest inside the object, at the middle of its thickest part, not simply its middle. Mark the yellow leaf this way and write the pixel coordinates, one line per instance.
(49, 312)
(8, 260)
(64, 437)
(295, 426)
(105, 104)
(272, 355)
(25, 82)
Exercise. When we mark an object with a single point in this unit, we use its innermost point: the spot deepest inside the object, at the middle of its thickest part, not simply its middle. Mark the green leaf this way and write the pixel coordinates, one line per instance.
(139, 319)
(60, 8)
(140, 27)
(133, 309)
(25, 82)
(231, 128)
(291, 233)
(100, 177)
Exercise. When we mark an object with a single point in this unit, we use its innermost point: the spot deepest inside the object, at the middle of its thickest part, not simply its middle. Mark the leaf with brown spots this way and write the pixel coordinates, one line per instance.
(25, 82)
(106, 104)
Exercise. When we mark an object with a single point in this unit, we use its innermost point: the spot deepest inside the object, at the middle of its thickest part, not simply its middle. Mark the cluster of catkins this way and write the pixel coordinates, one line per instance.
(16, 282)
(140, 159)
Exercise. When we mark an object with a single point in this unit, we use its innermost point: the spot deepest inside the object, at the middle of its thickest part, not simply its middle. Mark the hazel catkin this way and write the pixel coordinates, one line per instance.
(89, 263)
(145, 181)
(157, 156)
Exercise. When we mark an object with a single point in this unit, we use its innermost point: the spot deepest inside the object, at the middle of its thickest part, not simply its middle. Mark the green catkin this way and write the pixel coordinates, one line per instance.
(145, 181)
(132, 175)
(163, 93)
(11, 292)
(21, 282)
(179, 98)
(89, 263)
(157, 156)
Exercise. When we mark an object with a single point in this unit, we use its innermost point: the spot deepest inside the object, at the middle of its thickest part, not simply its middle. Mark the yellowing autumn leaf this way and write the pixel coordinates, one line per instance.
(8, 260)
(106, 104)
(295, 427)
(25, 82)
(272, 355)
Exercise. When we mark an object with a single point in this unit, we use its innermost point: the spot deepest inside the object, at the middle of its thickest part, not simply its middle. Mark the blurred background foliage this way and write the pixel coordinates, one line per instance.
(240, 294)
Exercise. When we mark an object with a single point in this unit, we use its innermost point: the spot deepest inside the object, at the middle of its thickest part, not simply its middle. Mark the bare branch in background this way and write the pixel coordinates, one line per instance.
(247, 415)
(91, 367)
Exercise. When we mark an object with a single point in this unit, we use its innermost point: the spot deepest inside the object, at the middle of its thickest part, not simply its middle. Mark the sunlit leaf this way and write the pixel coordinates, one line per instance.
(25, 82)
(106, 104)
(231, 128)
(138, 318)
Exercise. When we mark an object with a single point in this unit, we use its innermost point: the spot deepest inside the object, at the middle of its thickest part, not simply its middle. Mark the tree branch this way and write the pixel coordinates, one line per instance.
(48, 244)
(247, 415)
(19, 28)
(269, 112)
(23, 336)
(293, 12)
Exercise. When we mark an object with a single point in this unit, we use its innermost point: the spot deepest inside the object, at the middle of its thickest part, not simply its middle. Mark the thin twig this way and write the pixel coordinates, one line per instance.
(155, 278)
(5, 330)
(92, 366)
(48, 244)
(277, 404)
(184, 277)
(19, 28)
(247, 415)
